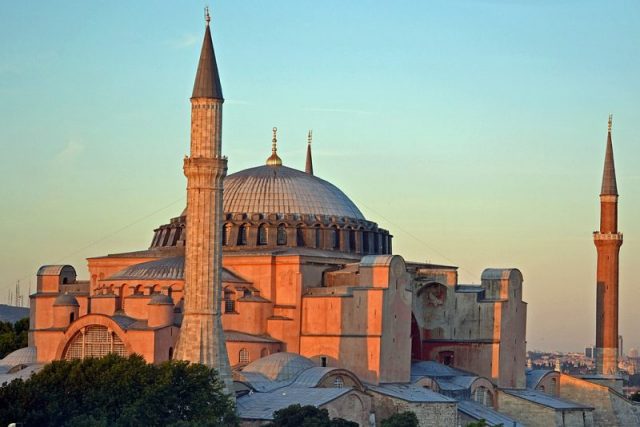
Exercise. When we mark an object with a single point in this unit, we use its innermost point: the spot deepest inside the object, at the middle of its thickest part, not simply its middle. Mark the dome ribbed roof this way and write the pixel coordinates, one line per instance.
(283, 190)
(280, 366)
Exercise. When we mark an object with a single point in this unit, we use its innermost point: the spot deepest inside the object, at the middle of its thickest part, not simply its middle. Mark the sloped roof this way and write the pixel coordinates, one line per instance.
(481, 412)
(545, 399)
(261, 406)
(411, 393)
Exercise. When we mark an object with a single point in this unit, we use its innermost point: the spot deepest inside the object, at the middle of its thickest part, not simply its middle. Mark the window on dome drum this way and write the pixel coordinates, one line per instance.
(242, 235)
(299, 236)
(262, 235)
(318, 237)
(94, 341)
(335, 238)
(244, 355)
(229, 303)
(264, 352)
(338, 382)
(72, 316)
(352, 240)
(282, 235)
(376, 243)
(226, 233)
(365, 242)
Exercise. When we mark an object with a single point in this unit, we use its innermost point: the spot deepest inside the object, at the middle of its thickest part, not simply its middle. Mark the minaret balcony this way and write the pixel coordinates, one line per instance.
(607, 236)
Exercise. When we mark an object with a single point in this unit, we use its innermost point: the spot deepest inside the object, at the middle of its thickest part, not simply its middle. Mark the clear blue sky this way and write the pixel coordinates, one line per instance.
(473, 130)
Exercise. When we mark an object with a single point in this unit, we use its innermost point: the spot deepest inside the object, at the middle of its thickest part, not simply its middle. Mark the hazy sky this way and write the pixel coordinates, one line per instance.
(473, 130)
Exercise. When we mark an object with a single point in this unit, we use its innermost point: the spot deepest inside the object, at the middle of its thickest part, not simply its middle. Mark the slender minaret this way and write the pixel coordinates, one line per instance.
(309, 166)
(608, 241)
(201, 336)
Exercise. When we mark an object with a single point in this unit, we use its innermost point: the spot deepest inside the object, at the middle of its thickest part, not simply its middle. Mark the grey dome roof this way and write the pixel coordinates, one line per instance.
(22, 356)
(283, 190)
(165, 269)
(66, 299)
(280, 366)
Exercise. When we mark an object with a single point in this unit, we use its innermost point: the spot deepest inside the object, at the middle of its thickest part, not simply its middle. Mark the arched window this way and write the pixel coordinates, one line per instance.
(72, 317)
(318, 237)
(229, 303)
(299, 236)
(376, 243)
(264, 352)
(335, 238)
(365, 242)
(338, 382)
(226, 233)
(170, 353)
(282, 235)
(95, 341)
(352, 240)
(262, 234)
(244, 355)
(242, 235)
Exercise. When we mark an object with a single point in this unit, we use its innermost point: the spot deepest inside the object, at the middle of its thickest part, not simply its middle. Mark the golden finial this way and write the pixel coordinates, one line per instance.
(207, 17)
(309, 136)
(274, 160)
(610, 121)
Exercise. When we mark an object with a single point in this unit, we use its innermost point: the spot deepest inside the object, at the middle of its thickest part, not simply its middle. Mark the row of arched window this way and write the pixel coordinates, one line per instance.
(377, 243)
(243, 355)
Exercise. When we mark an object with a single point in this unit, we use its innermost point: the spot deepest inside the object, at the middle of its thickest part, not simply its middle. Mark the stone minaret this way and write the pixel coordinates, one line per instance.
(201, 336)
(608, 241)
(308, 168)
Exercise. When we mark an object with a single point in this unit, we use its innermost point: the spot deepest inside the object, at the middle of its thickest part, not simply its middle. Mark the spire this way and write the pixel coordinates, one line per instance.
(609, 186)
(309, 166)
(207, 84)
(273, 159)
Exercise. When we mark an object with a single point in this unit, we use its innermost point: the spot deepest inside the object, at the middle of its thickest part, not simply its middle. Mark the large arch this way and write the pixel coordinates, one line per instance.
(92, 320)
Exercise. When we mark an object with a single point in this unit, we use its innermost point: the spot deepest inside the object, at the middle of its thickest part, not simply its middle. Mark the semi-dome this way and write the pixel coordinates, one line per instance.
(66, 300)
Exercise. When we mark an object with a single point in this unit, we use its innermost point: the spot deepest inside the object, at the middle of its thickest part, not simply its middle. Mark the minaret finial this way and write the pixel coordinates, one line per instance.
(610, 122)
(274, 160)
(309, 165)
(207, 17)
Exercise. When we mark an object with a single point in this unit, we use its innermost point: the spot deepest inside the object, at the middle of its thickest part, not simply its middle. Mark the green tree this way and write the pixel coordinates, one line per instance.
(306, 416)
(401, 419)
(118, 391)
(13, 336)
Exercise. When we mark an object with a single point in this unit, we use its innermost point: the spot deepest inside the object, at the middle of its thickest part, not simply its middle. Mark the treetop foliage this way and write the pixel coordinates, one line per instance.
(118, 391)
(13, 336)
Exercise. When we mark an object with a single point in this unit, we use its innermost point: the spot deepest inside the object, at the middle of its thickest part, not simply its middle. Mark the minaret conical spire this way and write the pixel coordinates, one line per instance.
(207, 84)
(609, 185)
(309, 165)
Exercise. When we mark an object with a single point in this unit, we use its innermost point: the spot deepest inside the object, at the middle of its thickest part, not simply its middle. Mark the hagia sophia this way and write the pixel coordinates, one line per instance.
(273, 276)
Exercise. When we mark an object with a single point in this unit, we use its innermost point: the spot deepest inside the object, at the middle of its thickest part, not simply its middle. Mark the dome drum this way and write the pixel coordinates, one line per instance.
(268, 231)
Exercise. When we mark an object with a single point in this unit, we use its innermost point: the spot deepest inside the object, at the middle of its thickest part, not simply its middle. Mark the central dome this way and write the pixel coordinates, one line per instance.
(283, 190)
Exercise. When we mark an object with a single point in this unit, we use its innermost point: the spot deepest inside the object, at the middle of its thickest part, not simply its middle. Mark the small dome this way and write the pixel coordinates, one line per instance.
(160, 299)
(66, 300)
(280, 366)
(23, 356)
